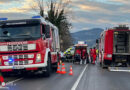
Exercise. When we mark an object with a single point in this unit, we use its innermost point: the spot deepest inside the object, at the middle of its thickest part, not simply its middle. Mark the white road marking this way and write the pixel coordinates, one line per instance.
(12, 82)
(79, 78)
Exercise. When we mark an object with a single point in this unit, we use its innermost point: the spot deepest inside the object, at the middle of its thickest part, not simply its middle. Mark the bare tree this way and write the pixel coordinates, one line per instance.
(57, 14)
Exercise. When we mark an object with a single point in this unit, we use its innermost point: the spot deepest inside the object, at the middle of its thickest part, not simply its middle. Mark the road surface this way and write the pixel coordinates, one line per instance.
(93, 78)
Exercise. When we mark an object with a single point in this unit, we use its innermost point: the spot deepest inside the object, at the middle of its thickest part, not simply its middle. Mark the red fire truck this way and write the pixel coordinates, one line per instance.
(114, 47)
(28, 45)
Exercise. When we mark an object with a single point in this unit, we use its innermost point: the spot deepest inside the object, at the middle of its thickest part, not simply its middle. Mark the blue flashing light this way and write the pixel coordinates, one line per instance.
(36, 17)
(3, 19)
(11, 60)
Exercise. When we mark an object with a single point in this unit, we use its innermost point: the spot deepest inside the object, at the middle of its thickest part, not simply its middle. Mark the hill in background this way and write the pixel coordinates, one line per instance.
(89, 36)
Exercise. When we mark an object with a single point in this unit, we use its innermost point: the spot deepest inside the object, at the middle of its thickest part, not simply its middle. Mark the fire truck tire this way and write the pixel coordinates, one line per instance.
(58, 57)
(48, 68)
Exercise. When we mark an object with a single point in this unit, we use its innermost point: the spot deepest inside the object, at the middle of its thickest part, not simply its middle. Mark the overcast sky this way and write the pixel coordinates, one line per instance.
(86, 14)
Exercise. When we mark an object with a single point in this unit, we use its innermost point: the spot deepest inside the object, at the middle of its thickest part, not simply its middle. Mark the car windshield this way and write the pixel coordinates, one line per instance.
(19, 32)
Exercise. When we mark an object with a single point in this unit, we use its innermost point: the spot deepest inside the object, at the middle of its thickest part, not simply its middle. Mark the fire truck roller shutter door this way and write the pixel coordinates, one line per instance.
(54, 40)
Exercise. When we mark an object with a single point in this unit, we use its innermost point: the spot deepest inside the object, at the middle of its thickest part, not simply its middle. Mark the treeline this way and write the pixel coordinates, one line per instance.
(57, 14)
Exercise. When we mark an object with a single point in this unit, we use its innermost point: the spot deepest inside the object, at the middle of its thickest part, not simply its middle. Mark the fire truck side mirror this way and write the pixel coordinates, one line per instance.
(43, 36)
(47, 27)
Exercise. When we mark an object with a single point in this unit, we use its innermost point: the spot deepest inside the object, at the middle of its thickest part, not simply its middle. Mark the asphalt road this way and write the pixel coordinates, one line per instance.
(93, 78)
(96, 78)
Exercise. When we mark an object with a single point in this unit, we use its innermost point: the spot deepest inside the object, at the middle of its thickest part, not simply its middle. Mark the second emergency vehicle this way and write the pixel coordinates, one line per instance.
(114, 47)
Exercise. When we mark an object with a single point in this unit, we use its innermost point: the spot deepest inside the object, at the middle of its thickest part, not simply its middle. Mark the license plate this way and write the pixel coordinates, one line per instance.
(18, 67)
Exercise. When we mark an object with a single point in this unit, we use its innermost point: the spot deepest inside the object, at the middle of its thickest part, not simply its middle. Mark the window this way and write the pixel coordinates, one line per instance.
(20, 32)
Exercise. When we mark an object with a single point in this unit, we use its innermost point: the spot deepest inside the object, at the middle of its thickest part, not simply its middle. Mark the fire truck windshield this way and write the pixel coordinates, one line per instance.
(19, 32)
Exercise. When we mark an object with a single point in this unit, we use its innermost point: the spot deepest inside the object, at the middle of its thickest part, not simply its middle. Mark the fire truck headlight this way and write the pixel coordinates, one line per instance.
(38, 58)
(109, 55)
(6, 63)
(5, 57)
(3, 48)
(31, 46)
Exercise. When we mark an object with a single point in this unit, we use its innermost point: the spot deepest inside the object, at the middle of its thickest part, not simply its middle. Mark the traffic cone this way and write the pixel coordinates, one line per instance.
(58, 68)
(2, 81)
(63, 69)
(71, 71)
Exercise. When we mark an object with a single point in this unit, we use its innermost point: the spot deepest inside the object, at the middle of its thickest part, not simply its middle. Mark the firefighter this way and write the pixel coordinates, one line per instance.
(94, 55)
(91, 55)
(68, 55)
(97, 52)
(78, 55)
(84, 55)
(78, 51)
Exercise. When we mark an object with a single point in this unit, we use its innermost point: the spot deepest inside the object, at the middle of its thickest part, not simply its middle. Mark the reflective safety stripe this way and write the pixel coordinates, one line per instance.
(121, 69)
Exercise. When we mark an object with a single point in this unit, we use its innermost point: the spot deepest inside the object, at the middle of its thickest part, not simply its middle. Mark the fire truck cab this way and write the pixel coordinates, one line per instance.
(28, 45)
(114, 47)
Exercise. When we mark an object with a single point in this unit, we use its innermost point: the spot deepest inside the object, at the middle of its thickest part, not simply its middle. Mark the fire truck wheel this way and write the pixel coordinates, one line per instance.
(48, 68)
